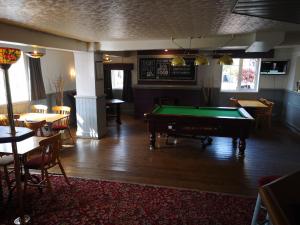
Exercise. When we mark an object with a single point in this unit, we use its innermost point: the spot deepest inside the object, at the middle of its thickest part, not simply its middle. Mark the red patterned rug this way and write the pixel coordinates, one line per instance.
(92, 202)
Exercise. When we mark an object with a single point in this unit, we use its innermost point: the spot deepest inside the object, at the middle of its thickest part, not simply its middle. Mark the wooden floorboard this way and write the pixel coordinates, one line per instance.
(124, 155)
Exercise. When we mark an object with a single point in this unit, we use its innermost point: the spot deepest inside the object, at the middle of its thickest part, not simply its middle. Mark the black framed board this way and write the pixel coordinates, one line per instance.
(160, 69)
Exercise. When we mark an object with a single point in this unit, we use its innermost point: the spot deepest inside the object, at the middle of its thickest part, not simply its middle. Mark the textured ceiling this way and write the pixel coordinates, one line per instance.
(98, 20)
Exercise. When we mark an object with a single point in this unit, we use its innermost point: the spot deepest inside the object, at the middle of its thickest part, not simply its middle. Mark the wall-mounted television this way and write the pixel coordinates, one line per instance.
(273, 67)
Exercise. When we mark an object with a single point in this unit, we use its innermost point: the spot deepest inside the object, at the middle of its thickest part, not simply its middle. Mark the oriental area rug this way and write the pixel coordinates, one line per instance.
(93, 202)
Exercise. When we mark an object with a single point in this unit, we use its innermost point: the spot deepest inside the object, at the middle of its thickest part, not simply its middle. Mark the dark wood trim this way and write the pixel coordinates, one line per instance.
(118, 66)
(243, 54)
(167, 82)
(169, 52)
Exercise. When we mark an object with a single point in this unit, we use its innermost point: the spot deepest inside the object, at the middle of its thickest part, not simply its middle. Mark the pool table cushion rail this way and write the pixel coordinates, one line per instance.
(193, 111)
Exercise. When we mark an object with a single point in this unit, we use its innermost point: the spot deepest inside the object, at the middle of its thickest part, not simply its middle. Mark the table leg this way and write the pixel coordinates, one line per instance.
(152, 140)
(23, 219)
(1, 191)
(118, 113)
(242, 146)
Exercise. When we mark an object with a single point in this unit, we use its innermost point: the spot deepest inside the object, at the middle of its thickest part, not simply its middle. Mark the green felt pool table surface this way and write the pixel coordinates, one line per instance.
(200, 111)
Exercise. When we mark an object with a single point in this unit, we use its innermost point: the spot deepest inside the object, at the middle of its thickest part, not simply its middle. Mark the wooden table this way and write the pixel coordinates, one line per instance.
(251, 104)
(282, 199)
(24, 146)
(12, 148)
(36, 117)
(115, 103)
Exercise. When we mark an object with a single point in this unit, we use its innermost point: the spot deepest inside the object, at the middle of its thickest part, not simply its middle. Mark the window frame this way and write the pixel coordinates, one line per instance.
(112, 80)
(239, 89)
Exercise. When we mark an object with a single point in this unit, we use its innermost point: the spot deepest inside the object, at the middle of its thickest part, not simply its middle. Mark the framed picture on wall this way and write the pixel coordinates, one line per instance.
(99, 70)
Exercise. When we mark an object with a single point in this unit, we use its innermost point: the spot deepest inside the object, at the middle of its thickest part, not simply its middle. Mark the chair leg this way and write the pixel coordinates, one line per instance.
(63, 172)
(269, 121)
(69, 130)
(26, 178)
(6, 176)
(9, 183)
(48, 182)
(1, 191)
(256, 210)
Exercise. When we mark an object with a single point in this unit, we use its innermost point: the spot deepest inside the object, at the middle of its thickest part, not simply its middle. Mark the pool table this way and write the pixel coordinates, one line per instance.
(190, 121)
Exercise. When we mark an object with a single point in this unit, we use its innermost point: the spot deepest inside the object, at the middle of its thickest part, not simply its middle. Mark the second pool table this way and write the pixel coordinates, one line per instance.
(190, 121)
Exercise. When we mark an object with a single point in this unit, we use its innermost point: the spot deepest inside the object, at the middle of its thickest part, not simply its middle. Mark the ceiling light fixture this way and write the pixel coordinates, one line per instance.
(179, 60)
(35, 54)
(225, 60)
(201, 61)
(106, 59)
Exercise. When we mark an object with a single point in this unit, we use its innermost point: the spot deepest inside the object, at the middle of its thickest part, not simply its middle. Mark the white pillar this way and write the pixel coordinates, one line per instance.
(90, 98)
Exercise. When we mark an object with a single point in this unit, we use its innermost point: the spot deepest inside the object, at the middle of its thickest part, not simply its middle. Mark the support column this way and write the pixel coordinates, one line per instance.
(90, 98)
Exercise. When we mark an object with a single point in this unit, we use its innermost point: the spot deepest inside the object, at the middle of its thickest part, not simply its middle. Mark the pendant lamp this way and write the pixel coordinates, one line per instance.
(178, 61)
(225, 60)
(201, 61)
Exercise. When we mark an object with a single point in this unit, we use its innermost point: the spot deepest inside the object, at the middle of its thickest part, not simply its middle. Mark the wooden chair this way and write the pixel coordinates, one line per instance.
(63, 124)
(4, 120)
(37, 127)
(259, 206)
(39, 108)
(48, 158)
(5, 162)
(264, 115)
(234, 102)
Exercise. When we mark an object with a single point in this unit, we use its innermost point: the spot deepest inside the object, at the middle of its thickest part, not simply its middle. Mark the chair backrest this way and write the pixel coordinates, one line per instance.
(39, 108)
(50, 150)
(65, 110)
(234, 102)
(269, 109)
(36, 127)
(5, 122)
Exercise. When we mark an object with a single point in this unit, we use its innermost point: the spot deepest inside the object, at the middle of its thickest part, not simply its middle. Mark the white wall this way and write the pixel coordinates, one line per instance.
(294, 70)
(85, 73)
(57, 63)
(278, 82)
(210, 76)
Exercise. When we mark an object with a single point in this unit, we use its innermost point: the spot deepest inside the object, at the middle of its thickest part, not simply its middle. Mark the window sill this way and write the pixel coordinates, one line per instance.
(223, 91)
(17, 103)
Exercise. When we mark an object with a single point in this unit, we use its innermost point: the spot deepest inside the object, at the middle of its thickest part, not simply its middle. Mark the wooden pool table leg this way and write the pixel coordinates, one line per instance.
(152, 140)
(242, 146)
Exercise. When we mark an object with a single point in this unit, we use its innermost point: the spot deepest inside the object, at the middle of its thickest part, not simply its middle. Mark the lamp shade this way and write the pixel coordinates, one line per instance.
(9, 55)
(201, 60)
(225, 60)
(35, 54)
(178, 61)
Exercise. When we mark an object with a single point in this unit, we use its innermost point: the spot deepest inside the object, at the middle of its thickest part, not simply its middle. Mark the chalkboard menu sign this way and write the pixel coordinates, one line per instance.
(160, 69)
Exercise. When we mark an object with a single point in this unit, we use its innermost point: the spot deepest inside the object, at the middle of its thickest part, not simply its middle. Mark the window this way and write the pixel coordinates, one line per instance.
(241, 76)
(117, 77)
(18, 82)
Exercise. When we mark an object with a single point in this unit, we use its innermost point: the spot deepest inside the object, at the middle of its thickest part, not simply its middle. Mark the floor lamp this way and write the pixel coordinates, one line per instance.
(9, 56)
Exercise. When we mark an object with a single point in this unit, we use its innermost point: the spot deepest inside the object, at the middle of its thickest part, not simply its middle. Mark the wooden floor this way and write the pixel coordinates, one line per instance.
(123, 155)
